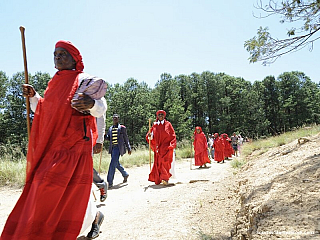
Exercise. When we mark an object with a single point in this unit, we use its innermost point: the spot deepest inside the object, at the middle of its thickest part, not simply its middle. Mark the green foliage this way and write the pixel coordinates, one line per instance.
(267, 49)
(215, 101)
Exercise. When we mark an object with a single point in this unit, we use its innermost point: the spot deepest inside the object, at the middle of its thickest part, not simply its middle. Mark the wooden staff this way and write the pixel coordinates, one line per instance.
(191, 153)
(100, 159)
(22, 29)
(149, 143)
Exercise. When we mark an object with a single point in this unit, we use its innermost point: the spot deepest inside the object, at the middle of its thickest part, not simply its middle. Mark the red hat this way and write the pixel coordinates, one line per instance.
(195, 131)
(160, 111)
(73, 51)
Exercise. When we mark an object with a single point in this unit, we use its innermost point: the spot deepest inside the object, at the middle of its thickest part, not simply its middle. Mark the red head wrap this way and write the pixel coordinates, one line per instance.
(73, 51)
(195, 131)
(161, 111)
(216, 135)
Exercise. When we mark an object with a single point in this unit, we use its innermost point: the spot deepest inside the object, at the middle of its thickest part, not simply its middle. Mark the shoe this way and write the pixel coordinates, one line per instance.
(125, 179)
(164, 182)
(103, 187)
(103, 195)
(110, 186)
(95, 229)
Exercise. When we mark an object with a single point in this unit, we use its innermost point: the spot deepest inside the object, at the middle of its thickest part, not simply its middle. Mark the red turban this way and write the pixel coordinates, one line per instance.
(161, 111)
(195, 131)
(73, 51)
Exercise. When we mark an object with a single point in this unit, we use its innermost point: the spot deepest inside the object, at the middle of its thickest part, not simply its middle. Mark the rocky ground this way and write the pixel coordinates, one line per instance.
(276, 195)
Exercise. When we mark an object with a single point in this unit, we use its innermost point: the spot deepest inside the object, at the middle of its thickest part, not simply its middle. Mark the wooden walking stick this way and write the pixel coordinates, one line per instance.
(22, 29)
(100, 159)
(149, 143)
(191, 154)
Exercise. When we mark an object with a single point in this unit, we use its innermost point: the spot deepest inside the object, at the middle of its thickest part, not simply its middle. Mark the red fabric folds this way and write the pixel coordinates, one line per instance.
(200, 148)
(163, 143)
(218, 146)
(59, 168)
(228, 150)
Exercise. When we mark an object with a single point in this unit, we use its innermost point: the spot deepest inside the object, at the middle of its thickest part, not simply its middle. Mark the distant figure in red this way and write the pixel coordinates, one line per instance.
(163, 142)
(200, 148)
(228, 150)
(218, 146)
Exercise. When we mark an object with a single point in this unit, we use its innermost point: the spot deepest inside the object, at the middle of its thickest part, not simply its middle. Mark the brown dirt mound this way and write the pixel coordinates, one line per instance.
(279, 193)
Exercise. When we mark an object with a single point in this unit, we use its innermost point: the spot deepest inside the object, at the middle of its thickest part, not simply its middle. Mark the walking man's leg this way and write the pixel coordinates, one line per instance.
(115, 154)
(101, 184)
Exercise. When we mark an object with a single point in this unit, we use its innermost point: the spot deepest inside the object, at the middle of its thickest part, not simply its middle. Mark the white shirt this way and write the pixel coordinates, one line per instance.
(98, 110)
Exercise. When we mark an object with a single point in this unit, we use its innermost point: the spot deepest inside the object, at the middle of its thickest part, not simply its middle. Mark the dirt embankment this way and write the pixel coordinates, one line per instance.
(279, 193)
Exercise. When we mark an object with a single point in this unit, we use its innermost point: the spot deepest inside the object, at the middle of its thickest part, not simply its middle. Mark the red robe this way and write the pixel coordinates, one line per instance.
(218, 146)
(228, 150)
(163, 143)
(200, 149)
(59, 168)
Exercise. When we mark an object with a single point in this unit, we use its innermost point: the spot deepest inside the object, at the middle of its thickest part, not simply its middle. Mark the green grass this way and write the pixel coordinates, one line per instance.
(12, 173)
(264, 145)
(13, 163)
(12, 169)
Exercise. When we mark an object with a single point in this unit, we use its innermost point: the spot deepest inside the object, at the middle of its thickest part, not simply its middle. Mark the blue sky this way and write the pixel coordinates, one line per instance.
(142, 39)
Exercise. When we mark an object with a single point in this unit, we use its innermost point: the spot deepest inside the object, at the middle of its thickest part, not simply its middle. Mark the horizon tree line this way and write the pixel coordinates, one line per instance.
(215, 101)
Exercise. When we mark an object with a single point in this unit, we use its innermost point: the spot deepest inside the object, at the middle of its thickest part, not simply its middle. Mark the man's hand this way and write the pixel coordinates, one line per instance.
(97, 148)
(84, 103)
(28, 90)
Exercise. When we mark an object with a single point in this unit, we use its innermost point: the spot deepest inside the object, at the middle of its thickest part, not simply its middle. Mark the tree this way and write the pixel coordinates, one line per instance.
(167, 97)
(132, 102)
(14, 113)
(266, 48)
(270, 98)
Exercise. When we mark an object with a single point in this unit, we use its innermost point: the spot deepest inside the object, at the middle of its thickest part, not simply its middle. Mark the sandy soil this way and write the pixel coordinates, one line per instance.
(276, 195)
(279, 193)
(194, 206)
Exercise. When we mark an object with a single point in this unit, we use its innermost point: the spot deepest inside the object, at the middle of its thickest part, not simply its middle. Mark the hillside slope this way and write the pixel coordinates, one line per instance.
(279, 193)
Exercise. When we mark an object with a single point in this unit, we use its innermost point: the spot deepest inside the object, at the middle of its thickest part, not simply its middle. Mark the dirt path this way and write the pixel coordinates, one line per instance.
(141, 210)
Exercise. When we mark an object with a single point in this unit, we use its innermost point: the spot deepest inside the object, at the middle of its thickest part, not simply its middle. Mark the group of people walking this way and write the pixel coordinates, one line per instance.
(218, 147)
(67, 129)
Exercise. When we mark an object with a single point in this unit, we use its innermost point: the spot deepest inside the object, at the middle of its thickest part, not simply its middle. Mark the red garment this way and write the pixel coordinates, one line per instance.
(218, 146)
(163, 143)
(200, 148)
(228, 150)
(59, 168)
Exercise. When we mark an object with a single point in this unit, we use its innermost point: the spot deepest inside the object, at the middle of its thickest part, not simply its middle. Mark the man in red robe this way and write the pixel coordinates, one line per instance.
(228, 150)
(59, 160)
(163, 142)
(218, 146)
(200, 148)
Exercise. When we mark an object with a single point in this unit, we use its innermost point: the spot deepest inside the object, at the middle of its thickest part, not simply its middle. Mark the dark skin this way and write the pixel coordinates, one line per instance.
(160, 117)
(97, 148)
(115, 123)
(63, 61)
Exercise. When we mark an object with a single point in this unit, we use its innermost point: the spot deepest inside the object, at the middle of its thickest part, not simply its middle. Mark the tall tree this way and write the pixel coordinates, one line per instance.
(271, 103)
(167, 97)
(132, 102)
(14, 111)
